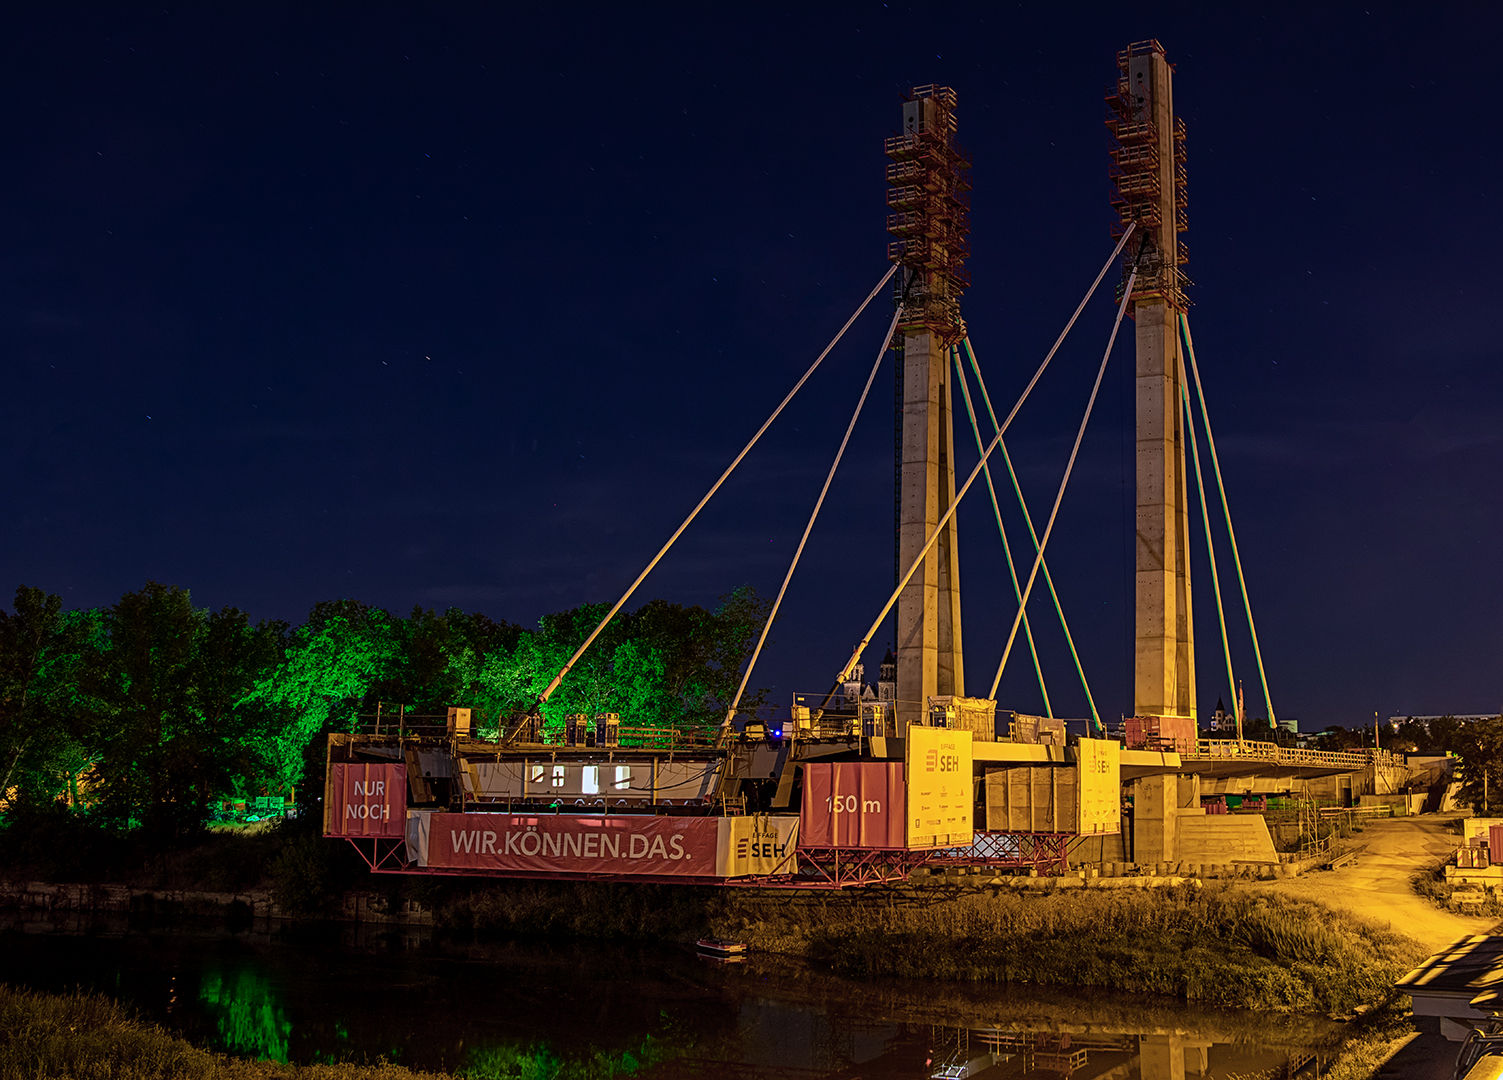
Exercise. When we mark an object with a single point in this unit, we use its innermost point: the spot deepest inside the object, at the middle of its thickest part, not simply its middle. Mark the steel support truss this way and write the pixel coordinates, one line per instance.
(814, 868)
(844, 868)
(838, 868)
(380, 853)
(1043, 852)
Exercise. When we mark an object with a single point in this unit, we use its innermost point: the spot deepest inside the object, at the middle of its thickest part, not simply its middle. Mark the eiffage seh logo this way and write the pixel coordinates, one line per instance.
(934, 761)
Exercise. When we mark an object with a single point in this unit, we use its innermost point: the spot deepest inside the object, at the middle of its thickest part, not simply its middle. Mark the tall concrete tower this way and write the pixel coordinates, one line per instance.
(1148, 190)
(929, 195)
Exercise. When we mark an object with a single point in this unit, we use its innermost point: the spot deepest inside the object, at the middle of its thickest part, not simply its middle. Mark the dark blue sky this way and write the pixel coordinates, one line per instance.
(468, 306)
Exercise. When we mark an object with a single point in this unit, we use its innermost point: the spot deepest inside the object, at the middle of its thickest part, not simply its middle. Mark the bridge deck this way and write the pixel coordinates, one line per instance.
(1211, 757)
(1228, 757)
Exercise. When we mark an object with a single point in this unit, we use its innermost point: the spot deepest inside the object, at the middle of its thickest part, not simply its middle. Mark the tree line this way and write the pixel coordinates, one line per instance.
(1476, 743)
(150, 710)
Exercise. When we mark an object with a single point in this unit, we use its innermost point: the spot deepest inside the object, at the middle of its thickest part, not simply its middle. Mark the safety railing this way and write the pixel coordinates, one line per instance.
(641, 738)
(1288, 755)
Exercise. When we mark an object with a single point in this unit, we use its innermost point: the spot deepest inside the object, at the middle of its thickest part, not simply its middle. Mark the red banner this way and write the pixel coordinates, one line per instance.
(852, 804)
(366, 800)
(573, 844)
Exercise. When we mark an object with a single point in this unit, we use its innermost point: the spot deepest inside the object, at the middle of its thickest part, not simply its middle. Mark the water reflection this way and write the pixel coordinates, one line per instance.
(536, 1011)
(936, 1052)
(993, 1053)
(249, 1020)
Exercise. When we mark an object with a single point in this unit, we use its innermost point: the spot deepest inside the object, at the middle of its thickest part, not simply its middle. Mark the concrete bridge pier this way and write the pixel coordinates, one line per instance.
(1158, 803)
(1162, 1057)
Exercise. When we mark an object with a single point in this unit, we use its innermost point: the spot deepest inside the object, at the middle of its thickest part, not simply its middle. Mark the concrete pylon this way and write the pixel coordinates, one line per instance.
(929, 194)
(1149, 194)
(1164, 683)
(929, 629)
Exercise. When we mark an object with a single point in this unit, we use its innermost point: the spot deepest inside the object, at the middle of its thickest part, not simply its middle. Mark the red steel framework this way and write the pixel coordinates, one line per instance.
(816, 868)
(1136, 175)
(1044, 852)
(930, 194)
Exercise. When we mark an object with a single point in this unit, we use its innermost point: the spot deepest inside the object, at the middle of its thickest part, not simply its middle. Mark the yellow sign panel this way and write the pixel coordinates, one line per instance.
(940, 798)
(1100, 764)
(756, 844)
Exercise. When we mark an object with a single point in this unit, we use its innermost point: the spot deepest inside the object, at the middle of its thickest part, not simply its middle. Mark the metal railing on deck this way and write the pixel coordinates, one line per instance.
(411, 725)
(1288, 755)
(644, 738)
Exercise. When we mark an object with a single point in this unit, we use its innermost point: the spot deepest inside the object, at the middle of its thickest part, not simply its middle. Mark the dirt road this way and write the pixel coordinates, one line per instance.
(1378, 886)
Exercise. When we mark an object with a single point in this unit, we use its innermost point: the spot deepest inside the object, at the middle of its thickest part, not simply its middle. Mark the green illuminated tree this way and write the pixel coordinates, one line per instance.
(349, 657)
(333, 662)
(171, 707)
(663, 664)
(173, 719)
(703, 651)
(39, 656)
(442, 656)
(511, 681)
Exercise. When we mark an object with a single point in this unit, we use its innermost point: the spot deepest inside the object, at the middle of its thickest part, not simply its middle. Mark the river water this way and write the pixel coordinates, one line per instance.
(530, 1010)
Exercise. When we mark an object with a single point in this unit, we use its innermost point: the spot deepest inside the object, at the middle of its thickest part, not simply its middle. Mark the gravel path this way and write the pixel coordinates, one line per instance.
(1378, 885)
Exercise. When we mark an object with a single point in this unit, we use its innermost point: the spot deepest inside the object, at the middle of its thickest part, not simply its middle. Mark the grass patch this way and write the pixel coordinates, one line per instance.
(87, 1037)
(1372, 1040)
(1433, 886)
(1217, 946)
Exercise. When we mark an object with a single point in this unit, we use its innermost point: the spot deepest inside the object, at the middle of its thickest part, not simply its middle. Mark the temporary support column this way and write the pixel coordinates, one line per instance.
(1147, 173)
(929, 194)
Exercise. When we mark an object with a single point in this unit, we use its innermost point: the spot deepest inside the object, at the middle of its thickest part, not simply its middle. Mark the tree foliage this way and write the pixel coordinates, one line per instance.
(1435, 735)
(1479, 745)
(168, 707)
(172, 717)
(39, 659)
(661, 665)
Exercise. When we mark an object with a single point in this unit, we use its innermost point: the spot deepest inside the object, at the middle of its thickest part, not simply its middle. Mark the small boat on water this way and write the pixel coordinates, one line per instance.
(721, 949)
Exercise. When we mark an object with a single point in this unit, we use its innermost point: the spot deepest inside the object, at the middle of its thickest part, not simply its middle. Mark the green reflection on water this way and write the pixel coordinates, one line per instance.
(251, 1023)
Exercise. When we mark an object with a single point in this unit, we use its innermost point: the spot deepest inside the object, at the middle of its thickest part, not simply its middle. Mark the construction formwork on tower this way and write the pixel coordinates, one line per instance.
(1146, 144)
(930, 194)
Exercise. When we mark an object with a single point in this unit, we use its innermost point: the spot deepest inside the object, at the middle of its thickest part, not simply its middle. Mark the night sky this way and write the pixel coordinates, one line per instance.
(466, 306)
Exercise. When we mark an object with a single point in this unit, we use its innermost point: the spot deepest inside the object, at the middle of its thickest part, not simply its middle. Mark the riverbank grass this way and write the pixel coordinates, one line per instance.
(1217, 946)
(87, 1037)
(1372, 1040)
